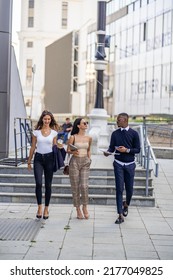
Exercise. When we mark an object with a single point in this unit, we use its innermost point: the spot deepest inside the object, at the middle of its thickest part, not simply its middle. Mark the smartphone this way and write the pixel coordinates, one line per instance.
(73, 147)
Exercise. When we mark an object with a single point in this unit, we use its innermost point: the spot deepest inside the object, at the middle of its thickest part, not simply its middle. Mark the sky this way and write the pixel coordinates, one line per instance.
(16, 25)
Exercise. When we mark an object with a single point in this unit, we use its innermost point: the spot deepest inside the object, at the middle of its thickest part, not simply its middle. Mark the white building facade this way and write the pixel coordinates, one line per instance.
(42, 23)
(140, 58)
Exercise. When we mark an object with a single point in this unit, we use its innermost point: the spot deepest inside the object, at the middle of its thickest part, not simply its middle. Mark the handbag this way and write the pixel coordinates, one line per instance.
(66, 170)
(66, 167)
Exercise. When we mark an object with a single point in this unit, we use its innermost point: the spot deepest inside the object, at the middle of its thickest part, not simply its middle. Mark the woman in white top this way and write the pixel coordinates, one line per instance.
(43, 138)
(79, 166)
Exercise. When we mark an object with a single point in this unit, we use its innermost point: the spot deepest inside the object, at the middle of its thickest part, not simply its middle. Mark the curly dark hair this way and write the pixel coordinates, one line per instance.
(53, 123)
(75, 128)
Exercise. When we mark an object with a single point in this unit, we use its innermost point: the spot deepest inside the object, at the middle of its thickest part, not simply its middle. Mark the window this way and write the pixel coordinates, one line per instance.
(134, 85)
(28, 102)
(143, 36)
(129, 47)
(136, 40)
(167, 34)
(29, 44)
(156, 81)
(158, 32)
(144, 31)
(30, 22)
(128, 85)
(149, 82)
(143, 3)
(121, 93)
(31, 13)
(31, 4)
(123, 52)
(28, 71)
(130, 8)
(64, 14)
(137, 5)
(142, 84)
(150, 37)
(165, 79)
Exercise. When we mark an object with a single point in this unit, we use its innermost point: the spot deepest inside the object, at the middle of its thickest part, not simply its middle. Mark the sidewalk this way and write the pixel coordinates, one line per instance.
(147, 233)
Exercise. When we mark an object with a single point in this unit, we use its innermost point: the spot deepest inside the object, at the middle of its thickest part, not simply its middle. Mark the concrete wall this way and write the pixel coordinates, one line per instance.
(11, 96)
(5, 62)
(58, 71)
(166, 153)
(17, 106)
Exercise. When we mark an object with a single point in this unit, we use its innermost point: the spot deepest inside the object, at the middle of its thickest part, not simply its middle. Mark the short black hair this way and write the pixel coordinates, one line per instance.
(124, 115)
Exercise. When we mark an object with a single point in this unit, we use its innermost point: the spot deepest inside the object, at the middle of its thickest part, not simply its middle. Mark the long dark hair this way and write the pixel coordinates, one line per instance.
(53, 123)
(75, 129)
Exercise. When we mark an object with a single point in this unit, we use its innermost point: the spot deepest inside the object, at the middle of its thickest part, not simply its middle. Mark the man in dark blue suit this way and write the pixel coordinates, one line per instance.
(125, 143)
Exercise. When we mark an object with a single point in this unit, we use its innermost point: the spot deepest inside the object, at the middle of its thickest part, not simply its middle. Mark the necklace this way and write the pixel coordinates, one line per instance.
(45, 131)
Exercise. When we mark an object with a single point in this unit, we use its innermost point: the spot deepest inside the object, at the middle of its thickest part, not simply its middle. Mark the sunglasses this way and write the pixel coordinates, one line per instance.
(85, 123)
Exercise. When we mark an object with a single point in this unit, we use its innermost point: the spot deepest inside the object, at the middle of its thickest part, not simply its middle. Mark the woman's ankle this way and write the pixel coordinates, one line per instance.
(39, 207)
(85, 211)
(46, 209)
(79, 213)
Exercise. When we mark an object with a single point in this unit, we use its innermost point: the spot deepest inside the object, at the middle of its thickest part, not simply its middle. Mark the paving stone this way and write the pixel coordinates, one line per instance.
(147, 232)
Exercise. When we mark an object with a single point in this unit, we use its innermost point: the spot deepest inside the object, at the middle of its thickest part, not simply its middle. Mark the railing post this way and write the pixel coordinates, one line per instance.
(147, 169)
(15, 142)
(21, 140)
(145, 138)
(171, 138)
(26, 150)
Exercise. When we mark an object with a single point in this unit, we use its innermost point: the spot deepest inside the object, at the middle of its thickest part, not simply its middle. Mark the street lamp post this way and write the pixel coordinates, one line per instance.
(98, 116)
(100, 63)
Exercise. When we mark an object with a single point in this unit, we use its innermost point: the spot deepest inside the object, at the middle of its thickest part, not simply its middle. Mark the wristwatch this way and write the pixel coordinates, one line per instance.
(128, 151)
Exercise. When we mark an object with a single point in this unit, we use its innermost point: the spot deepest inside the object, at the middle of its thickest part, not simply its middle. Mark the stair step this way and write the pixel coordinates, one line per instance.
(93, 171)
(66, 188)
(18, 186)
(61, 179)
(67, 199)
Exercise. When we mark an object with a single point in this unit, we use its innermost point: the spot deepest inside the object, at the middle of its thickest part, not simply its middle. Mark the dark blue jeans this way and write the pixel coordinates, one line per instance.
(63, 135)
(124, 175)
(43, 163)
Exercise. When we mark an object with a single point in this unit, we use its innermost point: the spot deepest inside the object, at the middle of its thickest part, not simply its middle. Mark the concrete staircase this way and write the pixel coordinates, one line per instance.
(17, 185)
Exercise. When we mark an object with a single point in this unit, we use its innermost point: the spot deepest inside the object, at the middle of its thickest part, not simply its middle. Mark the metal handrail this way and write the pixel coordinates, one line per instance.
(153, 157)
(146, 154)
(22, 139)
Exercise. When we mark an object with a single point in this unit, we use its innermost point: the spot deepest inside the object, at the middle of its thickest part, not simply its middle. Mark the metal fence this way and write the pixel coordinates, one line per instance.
(22, 139)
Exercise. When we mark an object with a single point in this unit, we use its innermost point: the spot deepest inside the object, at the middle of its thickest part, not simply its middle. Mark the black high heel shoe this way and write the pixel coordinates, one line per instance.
(39, 212)
(38, 216)
(45, 214)
(45, 217)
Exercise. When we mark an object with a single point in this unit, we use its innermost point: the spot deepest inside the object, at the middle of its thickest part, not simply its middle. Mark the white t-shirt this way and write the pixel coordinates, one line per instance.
(44, 143)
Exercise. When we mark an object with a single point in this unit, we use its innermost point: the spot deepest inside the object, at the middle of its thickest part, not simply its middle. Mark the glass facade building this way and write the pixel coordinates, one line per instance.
(139, 75)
